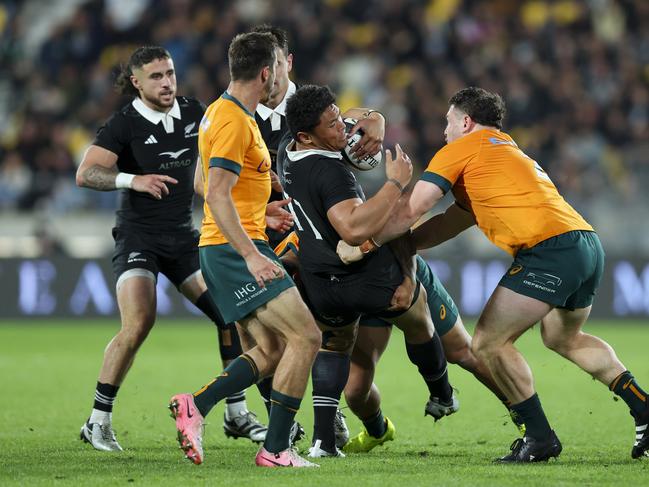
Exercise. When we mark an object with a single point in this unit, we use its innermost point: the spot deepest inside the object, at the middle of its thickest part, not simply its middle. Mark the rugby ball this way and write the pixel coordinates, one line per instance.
(368, 162)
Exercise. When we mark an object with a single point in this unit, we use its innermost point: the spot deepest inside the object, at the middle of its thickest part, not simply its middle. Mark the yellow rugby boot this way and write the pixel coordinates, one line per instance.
(364, 442)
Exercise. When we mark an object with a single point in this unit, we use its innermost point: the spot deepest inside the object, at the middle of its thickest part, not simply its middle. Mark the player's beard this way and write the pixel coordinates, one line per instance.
(161, 102)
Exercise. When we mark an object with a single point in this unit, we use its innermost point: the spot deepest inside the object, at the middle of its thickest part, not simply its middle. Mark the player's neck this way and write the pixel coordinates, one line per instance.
(477, 127)
(246, 94)
(300, 146)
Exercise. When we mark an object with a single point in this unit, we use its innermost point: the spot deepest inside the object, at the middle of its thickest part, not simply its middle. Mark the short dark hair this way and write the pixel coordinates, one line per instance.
(305, 107)
(280, 35)
(249, 53)
(141, 56)
(482, 106)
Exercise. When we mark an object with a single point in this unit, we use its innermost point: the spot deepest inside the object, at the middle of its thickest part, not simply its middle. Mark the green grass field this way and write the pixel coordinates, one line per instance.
(48, 371)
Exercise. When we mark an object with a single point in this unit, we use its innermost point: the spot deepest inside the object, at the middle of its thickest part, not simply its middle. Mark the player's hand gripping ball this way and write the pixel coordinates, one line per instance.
(368, 162)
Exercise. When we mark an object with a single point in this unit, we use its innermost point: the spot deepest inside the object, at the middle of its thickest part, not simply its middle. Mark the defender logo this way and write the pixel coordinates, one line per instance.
(188, 130)
(543, 281)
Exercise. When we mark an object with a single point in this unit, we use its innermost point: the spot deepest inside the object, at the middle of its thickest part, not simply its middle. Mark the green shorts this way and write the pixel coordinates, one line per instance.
(564, 271)
(442, 307)
(231, 285)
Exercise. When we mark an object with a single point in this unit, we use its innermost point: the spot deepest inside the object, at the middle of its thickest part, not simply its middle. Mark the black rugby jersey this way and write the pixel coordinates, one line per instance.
(144, 146)
(318, 180)
(272, 124)
(273, 127)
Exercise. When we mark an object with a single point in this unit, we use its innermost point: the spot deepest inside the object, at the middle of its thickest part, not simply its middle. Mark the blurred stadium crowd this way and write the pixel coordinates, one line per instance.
(574, 74)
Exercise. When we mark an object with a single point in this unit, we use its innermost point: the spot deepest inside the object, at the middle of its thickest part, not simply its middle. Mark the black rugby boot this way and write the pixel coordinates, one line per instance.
(527, 450)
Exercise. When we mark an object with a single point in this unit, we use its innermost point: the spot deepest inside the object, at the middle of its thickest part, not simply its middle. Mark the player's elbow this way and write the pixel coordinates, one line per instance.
(216, 197)
(212, 198)
(354, 235)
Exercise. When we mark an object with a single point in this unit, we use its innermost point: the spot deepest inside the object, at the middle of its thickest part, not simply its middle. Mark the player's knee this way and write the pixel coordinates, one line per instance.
(338, 341)
(556, 342)
(357, 388)
(136, 327)
(355, 396)
(482, 347)
(308, 340)
(271, 351)
(312, 339)
(419, 333)
(460, 355)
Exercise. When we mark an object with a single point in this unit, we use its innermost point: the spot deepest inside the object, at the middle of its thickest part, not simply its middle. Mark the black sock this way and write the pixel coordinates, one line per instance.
(516, 418)
(265, 386)
(105, 396)
(631, 393)
(536, 423)
(208, 307)
(376, 425)
(229, 342)
(430, 360)
(240, 374)
(329, 376)
(282, 414)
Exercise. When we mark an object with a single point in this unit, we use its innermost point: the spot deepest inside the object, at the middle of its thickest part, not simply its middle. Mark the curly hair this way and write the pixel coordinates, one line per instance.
(305, 107)
(141, 56)
(482, 106)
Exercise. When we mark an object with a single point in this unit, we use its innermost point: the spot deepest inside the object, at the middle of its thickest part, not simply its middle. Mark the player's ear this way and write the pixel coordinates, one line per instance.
(304, 138)
(468, 123)
(265, 73)
(135, 82)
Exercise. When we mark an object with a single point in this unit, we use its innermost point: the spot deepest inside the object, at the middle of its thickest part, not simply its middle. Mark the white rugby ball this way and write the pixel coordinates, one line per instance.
(368, 162)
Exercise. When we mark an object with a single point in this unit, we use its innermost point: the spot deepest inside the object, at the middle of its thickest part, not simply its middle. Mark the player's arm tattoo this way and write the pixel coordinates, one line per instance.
(100, 178)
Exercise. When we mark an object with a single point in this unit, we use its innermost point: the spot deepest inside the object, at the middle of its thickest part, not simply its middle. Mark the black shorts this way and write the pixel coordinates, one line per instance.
(337, 300)
(173, 254)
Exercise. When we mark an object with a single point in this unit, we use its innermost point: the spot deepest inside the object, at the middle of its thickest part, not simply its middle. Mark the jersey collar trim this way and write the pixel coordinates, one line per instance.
(228, 96)
(156, 117)
(296, 155)
(264, 112)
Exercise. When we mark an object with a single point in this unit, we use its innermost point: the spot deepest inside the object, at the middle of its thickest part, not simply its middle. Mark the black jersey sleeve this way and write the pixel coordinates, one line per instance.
(281, 155)
(112, 135)
(335, 183)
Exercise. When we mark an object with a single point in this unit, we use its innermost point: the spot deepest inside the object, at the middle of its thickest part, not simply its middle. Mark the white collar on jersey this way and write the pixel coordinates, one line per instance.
(279, 111)
(296, 155)
(156, 117)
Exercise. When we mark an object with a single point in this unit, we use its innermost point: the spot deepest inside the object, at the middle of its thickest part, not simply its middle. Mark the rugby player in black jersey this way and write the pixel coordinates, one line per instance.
(148, 150)
(329, 205)
(271, 120)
